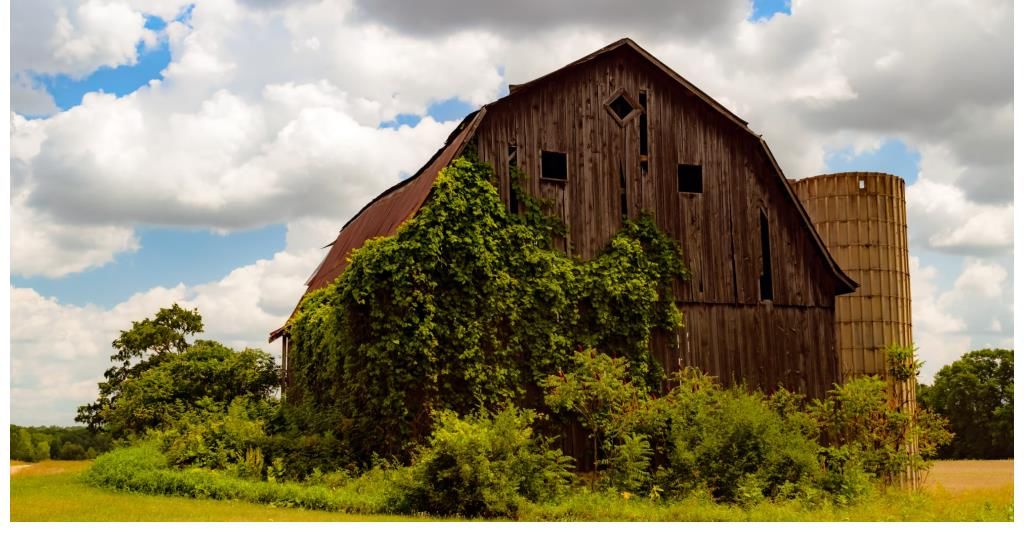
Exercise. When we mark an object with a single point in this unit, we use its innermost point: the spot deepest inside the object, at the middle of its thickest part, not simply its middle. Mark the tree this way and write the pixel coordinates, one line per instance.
(71, 451)
(976, 394)
(207, 372)
(147, 344)
(21, 444)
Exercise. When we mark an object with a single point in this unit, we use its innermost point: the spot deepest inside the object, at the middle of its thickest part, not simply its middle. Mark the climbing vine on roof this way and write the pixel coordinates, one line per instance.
(469, 306)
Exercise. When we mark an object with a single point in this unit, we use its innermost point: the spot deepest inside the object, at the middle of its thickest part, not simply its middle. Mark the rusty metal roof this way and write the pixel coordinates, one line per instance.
(382, 216)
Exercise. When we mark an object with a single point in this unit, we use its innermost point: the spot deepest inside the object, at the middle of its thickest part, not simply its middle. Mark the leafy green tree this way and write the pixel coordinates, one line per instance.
(976, 394)
(40, 448)
(21, 444)
(71, 451)
(147, 344)
(206, 372)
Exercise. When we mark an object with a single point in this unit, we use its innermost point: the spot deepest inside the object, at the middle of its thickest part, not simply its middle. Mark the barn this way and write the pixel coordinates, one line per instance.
(618, 133)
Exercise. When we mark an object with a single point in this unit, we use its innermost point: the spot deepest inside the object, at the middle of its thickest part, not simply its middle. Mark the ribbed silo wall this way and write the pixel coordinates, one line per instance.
(862, 218)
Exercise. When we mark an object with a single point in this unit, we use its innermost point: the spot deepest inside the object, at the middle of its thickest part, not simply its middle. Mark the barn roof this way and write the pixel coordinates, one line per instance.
(384, 214)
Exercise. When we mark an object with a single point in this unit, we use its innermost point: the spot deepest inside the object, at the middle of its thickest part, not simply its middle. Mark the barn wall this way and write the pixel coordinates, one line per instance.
(729, 330)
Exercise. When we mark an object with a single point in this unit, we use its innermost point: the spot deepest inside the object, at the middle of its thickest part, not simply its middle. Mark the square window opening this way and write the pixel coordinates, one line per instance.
(691, 179)
(554, 166)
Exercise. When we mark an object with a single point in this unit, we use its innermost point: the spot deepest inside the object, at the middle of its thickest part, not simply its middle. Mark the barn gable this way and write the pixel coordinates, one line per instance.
(617, 133)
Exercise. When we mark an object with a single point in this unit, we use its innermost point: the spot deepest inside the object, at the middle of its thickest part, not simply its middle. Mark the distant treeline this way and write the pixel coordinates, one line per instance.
(41, 443)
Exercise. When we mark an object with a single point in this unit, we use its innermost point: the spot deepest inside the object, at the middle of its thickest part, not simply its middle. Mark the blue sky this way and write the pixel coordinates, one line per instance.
(765, 9)
(167, 257)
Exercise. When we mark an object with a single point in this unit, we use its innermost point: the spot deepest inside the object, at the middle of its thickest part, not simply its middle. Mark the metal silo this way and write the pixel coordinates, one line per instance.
(862, 218)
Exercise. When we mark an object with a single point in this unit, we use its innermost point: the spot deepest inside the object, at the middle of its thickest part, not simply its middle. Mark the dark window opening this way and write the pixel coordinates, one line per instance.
(621, 107)
(554, 166)
(766, 260)
(513, 179)
(623, 201)
(691, 179)
(643, 123)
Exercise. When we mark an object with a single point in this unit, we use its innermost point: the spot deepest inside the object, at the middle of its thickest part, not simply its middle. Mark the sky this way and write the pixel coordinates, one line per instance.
(204, 153)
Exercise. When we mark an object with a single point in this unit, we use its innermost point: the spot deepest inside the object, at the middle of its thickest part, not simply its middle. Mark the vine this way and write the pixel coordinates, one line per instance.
(468, 306)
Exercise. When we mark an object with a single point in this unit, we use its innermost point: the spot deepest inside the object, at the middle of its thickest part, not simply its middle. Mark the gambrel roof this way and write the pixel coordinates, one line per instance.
(383, 215)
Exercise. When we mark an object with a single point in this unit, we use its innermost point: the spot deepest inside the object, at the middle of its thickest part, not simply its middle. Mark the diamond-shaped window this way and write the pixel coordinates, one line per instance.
(621, 107)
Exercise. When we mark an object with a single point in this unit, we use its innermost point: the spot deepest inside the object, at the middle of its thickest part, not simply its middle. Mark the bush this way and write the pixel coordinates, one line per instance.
(857, 426)
(485, 465)
(736, 444)
(733, 443)
(213, 437)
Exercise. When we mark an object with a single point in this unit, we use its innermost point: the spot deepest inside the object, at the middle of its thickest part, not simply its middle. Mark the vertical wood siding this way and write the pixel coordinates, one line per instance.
(729, 331)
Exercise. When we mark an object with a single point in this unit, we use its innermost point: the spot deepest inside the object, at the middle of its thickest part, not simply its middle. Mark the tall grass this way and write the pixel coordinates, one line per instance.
(380, 491)
(143, 469)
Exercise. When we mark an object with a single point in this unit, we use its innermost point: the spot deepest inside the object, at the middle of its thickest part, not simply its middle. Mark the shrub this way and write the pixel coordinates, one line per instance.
(857, 424)
(213, 437)
(733, 443)
(485, 465)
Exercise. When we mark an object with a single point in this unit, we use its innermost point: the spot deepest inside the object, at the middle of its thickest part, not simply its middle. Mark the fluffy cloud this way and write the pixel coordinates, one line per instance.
(270, 113)
(693, 18)
(30, 98)
(59, 351)
(231, 163)
(977, 312)
(75, 38)
(940, 217)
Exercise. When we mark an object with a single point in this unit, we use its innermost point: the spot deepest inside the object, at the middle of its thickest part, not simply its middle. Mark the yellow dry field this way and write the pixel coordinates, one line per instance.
(967, 475)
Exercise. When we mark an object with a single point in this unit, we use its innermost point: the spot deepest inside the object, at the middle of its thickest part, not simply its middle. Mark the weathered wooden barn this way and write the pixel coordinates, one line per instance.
(617, 133)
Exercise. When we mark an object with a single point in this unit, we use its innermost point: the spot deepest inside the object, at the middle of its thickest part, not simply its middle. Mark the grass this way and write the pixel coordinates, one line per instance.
(955, 491)
(52, 491)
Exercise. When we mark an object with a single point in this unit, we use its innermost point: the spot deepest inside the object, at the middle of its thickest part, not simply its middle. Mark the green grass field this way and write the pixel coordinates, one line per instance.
(955, 491)
(51, 491)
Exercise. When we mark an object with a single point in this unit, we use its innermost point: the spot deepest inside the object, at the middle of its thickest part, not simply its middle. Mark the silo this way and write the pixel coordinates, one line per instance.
(862, 219)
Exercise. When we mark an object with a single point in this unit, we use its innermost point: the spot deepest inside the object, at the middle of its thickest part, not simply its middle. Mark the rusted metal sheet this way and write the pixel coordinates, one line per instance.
(382, 216)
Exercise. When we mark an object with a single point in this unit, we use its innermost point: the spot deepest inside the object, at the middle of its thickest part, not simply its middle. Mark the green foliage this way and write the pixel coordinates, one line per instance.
(630, 465)
(730, 441)
(40, 443)
(216, 437)
(71, 451)
(903, 364)
(21, 444)
(857, 425)
(596, 388)
(203, 375)
(465, 307)
(143, 469)
(485, 465)
(976, 394)
(737, 445)
(147, 344)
